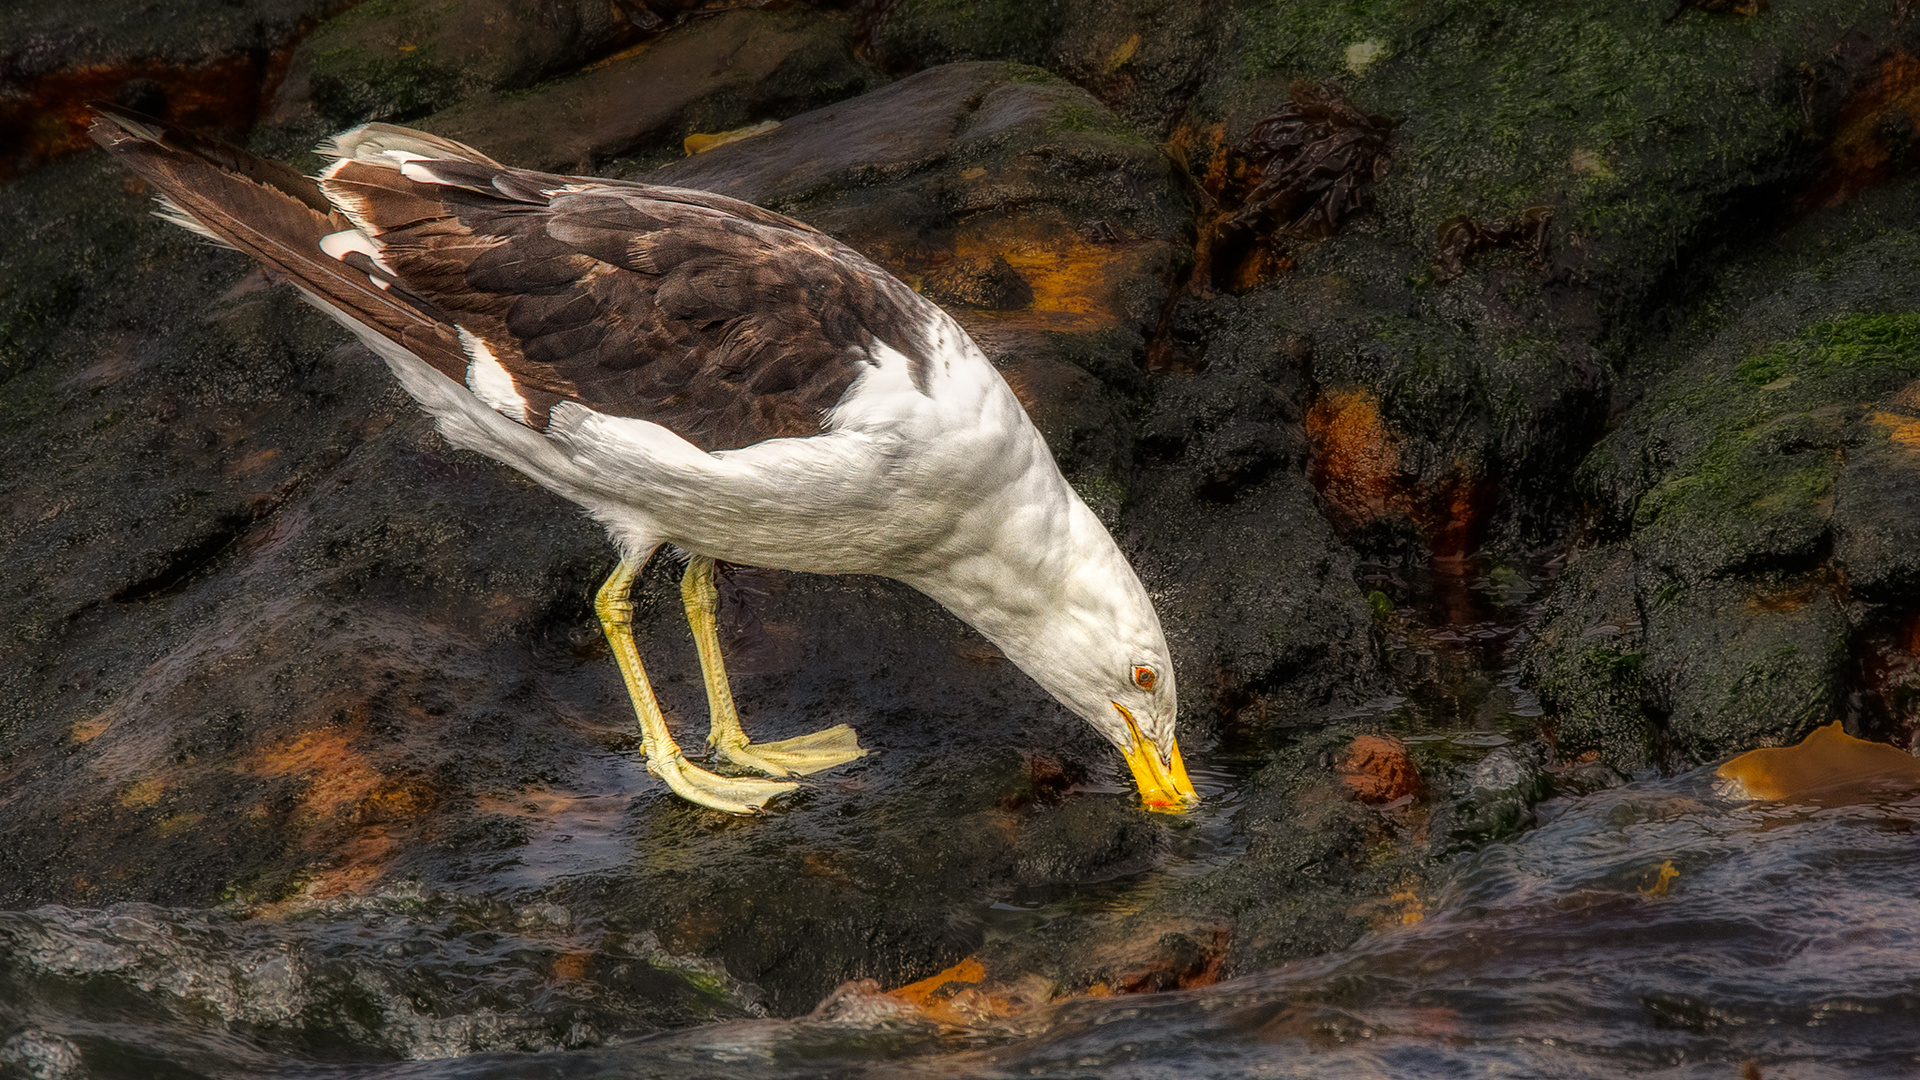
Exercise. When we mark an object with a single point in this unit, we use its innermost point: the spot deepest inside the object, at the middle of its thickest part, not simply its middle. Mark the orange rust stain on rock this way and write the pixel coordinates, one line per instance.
(349, 807)
(340, 776)
(1357, 468)
(1356, 463)
(1862, 155)
(143, 793)
(89, 730)
(1377, 769)
(1828, 768)
(1904, 430)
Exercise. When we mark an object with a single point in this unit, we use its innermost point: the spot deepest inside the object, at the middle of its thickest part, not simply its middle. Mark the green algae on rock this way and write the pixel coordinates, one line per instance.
(1646, 140)
(1745, 562)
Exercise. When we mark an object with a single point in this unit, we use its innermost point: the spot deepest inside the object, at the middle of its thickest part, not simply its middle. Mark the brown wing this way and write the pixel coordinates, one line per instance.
(722, 322)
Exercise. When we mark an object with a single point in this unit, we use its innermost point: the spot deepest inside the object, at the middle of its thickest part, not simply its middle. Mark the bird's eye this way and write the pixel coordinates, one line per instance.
(1144, 677)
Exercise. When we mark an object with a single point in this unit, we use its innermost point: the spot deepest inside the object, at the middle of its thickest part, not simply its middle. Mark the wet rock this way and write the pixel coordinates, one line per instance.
(708, 75)
(1268, 610)
(206, 64)
(1725, 615)
(398, 61)
(289, 977)
(1587, 657)
(1741, 667)
(1178, 959)
(1315, 864)
(1497, 797)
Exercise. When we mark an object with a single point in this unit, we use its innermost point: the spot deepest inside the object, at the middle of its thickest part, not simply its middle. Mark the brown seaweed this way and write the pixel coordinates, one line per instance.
(1317, 160)
(1461, 236)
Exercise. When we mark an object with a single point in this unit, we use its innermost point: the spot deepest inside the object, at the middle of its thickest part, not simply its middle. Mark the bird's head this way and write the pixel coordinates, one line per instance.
(1091, 637)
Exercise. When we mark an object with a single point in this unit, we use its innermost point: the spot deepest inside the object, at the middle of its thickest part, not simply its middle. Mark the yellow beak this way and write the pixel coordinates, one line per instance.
(1163, 786)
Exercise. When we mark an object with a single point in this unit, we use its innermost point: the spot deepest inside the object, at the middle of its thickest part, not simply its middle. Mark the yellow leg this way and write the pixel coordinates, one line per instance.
(735, 795)
(802, 754)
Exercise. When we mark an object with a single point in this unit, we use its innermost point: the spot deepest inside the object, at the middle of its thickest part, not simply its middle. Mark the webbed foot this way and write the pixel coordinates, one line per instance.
(802, 754)
(732, 794)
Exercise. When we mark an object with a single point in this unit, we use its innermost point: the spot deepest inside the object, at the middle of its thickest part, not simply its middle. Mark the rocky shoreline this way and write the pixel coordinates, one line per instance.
(1548, 376)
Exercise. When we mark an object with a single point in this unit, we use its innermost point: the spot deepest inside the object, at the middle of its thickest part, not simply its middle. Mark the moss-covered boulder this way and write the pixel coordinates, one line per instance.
(1549, 173)
(1752, 509)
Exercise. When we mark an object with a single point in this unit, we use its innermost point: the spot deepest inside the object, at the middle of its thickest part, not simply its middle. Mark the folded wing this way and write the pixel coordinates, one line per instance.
(725, 323)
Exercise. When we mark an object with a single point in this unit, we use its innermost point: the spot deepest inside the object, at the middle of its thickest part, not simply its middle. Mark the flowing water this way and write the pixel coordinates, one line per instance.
(1653, 929)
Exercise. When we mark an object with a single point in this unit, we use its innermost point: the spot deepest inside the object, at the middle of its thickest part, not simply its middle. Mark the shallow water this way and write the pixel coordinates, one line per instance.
(1654, 929)
(1789, 937)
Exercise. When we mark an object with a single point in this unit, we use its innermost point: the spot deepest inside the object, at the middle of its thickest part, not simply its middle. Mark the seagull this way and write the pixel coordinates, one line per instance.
(699, 373)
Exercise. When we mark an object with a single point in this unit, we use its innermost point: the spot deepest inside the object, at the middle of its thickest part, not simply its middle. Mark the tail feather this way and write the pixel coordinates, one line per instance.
(274, 214)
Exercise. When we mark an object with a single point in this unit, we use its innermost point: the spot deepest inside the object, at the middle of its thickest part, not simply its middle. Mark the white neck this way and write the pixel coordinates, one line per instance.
(1041, 578)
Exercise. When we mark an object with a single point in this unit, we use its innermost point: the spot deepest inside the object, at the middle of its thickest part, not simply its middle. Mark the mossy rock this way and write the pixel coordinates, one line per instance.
(1735, 468)
(402, 59)
(1755, 507)
(918, 34)
(1651, 133)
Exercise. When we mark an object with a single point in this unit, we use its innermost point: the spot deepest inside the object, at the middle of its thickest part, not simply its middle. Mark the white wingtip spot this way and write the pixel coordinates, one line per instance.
(338, 245)
(418, 173)
(490, 381)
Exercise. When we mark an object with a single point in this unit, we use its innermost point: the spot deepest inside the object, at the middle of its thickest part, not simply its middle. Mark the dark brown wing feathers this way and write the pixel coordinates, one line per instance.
(723, 322)
(720, 321)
